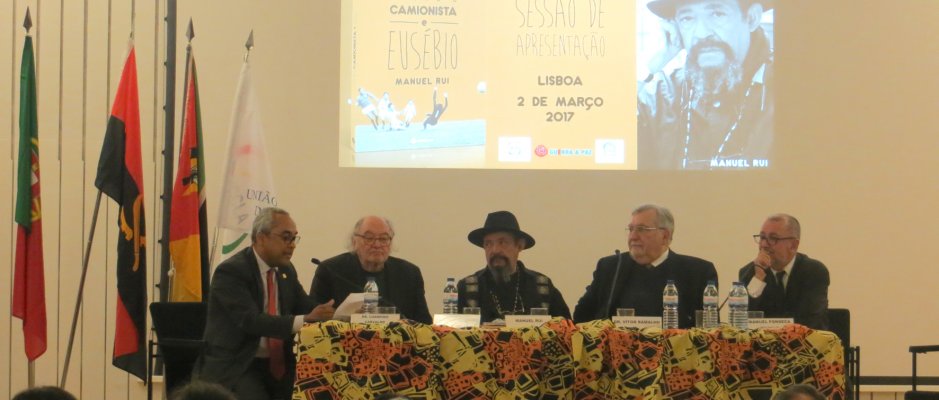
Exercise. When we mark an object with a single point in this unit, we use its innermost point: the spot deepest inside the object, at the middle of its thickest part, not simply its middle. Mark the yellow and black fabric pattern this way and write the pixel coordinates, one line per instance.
(560, 360)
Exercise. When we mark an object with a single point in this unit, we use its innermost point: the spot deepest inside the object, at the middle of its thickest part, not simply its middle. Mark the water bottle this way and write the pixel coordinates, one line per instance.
(371, 296)
(709, 315)
(738, 301)
(670, 306)
(450, 298)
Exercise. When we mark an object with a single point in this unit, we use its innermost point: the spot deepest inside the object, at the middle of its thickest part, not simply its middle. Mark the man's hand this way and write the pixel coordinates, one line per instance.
(762, 262)
(321, 312)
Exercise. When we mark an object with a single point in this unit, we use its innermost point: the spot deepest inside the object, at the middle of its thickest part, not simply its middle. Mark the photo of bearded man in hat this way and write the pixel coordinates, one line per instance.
(707, 101)
(505, 286)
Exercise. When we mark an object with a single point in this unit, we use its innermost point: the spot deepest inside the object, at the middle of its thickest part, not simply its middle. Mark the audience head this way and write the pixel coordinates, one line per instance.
(371, 242)
(800, 392)
(44, 393)
(650, 233)
(391, 396)
(201, 390)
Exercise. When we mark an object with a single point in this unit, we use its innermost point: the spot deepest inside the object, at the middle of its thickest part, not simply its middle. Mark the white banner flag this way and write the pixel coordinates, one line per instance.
(248, 185)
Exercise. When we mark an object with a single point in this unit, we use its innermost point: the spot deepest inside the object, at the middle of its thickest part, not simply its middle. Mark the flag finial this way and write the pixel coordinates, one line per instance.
(249, 44)
(28, 21)
(189, 32)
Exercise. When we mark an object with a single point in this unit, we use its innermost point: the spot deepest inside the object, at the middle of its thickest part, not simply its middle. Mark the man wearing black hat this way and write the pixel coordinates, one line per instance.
(505, 286)
(717, 110)
(637, 279)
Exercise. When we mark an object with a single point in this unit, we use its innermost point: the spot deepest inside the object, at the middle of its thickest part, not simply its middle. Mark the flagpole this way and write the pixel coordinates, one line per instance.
(249, 44)
(30, 364)
(171, 274)
(81, 289)
(169, 136)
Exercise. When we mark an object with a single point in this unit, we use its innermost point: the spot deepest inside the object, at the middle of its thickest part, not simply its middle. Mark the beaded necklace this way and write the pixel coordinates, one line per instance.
(515, 306)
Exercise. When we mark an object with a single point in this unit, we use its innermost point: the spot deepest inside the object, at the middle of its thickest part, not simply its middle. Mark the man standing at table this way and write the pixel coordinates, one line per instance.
(636, 279)
(783, 282)
(506, 286)
(400, 282)
(256, 305)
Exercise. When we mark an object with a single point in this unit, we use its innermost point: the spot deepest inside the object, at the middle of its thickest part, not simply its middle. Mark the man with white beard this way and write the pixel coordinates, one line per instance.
(717, 110)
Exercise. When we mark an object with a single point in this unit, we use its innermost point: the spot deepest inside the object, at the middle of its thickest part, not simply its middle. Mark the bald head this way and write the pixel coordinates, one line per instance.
(371, 242)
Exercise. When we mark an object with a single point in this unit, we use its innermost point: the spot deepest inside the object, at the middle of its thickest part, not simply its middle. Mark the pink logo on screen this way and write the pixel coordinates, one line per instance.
(541, 150)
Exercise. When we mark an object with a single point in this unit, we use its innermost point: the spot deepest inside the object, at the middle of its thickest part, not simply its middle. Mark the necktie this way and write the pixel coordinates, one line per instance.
(779, 280)
(275, 346)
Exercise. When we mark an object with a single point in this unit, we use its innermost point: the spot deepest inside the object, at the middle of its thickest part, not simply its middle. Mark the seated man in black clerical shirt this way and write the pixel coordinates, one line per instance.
(783, 282)
(400, 283)
(506, 286)
(636, 279)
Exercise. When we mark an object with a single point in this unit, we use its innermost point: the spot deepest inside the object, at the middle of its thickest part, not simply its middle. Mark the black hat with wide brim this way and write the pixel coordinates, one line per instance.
(666, 8)
(500, 221)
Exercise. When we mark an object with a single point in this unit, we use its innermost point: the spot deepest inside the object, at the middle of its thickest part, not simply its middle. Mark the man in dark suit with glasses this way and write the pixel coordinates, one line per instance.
(782, 282)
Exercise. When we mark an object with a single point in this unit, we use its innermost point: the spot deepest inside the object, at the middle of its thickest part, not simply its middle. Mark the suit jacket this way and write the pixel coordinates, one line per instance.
(236, 318)
(535, 289)
(690, 274)
(806, 299)
(336, 277)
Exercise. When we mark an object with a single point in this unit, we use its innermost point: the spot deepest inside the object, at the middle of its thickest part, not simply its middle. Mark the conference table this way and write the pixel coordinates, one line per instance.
(561, 360)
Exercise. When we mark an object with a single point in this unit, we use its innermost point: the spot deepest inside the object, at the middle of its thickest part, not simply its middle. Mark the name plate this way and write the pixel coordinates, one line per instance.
(760, 323)
(457, 320)
(637, 322)
(375, 318)
(523, 321)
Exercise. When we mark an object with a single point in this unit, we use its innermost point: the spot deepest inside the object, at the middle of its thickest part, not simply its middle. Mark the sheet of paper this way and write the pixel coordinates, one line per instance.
(351, 305)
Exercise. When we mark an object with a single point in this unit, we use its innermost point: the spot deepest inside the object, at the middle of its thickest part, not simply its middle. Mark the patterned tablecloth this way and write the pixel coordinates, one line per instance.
(560, 360)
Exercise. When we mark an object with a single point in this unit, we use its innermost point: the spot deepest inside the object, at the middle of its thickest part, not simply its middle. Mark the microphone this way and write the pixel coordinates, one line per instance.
(609, 301)
(354, 287)
(720, 307)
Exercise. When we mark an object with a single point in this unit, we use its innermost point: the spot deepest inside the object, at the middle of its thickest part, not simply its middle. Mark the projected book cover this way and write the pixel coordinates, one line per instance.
(542, 84)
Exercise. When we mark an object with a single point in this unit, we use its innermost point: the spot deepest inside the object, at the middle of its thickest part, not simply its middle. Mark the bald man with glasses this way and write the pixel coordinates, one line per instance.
(782, 282)
(400, 283)
(256, 305)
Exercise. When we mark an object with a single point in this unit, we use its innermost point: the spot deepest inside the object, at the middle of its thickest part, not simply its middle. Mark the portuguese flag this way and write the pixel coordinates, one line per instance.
(29, 293)
(120, 177)
(188, 236)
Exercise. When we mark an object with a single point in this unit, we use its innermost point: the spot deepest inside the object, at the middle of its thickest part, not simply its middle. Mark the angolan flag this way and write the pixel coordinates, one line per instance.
(120, 177)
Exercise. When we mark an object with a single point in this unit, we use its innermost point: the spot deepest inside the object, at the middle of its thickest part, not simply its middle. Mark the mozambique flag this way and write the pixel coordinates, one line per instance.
(29, 293)
(188, 236)
(120, 177)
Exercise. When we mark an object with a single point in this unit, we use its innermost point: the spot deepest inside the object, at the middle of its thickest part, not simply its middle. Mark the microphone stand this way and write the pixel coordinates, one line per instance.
(609, 301)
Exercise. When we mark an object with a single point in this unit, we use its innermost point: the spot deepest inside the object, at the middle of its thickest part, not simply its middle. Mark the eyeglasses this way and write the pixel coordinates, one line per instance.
(370, 240)
(287, 237)
(641, 229)
(772, 240)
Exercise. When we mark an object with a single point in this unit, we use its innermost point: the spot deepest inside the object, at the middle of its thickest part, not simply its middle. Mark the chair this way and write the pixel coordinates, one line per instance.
(920, 394)
(839, 320)
(179, 328)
